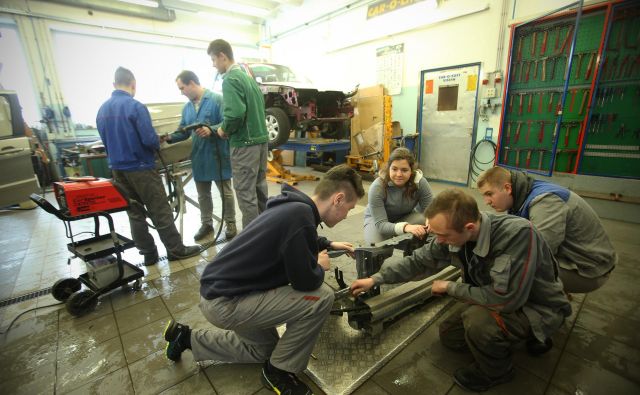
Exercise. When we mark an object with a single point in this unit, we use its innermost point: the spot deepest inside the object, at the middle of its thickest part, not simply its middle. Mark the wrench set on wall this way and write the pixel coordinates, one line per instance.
(602, 99)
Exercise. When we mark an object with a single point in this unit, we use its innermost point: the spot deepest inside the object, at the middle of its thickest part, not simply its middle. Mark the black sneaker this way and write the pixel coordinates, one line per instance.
(178, 339)
(204, 231)
(151, 258)
(471, 378)
(536, 347)
(184, 252)
(282, 382)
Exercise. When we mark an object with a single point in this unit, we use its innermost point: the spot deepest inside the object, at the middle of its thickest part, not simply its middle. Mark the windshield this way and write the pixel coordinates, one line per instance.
(274, 73)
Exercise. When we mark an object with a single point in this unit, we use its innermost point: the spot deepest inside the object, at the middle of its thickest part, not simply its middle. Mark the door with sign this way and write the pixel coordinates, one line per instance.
(447, 120)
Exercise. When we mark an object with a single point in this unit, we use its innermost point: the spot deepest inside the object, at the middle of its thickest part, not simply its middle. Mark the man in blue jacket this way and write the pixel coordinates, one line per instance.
(209, 153)
(271, 274)
(131, 142)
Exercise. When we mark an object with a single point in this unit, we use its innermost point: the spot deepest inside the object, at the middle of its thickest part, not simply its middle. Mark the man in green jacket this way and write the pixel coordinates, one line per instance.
(245, 126)
(209, 153)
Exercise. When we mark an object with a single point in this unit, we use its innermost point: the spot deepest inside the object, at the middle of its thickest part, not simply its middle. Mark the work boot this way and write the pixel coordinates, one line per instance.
(151, 258)
(178, 339)
(536, 347)
(184, 252)
(204, 231)
(471, 378)
(231, 230)
(282, 382)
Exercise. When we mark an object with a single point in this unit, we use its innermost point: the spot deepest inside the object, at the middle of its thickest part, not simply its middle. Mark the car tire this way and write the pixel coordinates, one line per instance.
(278, 126)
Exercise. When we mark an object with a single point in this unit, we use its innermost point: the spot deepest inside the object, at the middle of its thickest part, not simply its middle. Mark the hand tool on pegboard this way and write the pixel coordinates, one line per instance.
(580, 124)
(517, 157)
(550, 106)
(517, 136)
(507, 138)
(541, 132)
(579, 66)
(545, 36)
(585, 92)
(520, 104)
(528, 131)
(540, 95)
(530, 103)
(511, 103)
(519, 50)
(526, 74)
(558, 30)
(533, 43)
(505, 155)
(568, 128)
(544, 69)
(541, 152)
(573, 99)
(553, 68)
(535, 69)
(565, 43)
(605, 65)
(520, 71)
(528, 160)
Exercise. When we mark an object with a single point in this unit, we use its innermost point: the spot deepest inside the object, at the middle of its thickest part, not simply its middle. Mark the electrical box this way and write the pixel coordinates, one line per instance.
(490, 93)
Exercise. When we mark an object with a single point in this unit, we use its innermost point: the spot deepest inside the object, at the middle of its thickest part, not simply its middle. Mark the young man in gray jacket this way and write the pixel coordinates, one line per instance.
(510, 289)
(566, 222)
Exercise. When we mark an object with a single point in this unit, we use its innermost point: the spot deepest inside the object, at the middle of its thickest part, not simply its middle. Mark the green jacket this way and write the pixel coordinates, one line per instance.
(244, 118)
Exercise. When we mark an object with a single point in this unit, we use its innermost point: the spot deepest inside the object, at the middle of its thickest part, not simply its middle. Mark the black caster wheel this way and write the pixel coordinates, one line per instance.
(137, 285)
(63, 288)
(81, 303)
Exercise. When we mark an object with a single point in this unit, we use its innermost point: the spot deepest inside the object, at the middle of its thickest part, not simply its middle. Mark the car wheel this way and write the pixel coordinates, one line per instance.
(278, 126)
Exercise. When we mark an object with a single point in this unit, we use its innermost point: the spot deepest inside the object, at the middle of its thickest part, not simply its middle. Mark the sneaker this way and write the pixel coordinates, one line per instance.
(231, 231)
(536, 347)
(151, 258)
(184, 252)
(471, 378)
(204, 231)
(178, 340)
(282, 382)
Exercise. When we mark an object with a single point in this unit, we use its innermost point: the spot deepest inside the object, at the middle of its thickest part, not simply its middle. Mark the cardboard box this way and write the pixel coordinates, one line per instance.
(368, 111)
(369, 141)
(288, 158)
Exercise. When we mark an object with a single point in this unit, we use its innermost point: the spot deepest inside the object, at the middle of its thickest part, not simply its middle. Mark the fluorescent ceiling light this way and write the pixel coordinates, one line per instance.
(146, 3)
(225, 18)
(232, 7)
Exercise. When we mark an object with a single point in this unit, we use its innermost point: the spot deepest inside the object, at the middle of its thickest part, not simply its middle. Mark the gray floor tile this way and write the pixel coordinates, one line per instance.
(181, 299)
(37, 381)
(577, 375)
(86, 363)
(226, 377)
(19, 360)
(609, 325)
(144, 341)
(125, 297)
(370, 388)
(195, 385)
(155, 373)
(92, 332)
(603, 351)
(141, 314)
(620, 294)
(118, 382)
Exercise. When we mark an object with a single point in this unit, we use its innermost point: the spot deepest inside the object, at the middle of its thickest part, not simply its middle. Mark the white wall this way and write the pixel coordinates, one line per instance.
(316, 51)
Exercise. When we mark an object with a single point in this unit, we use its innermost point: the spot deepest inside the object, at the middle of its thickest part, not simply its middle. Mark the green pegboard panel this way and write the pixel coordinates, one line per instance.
(612, 142)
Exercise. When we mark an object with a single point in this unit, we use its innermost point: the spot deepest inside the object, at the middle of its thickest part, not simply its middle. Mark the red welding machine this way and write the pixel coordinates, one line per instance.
(86, 195)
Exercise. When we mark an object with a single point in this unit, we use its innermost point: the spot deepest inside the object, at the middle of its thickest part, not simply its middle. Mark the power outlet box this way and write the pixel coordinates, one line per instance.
(490, 93)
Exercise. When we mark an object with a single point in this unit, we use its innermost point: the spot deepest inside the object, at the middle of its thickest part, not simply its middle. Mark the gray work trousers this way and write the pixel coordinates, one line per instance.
(489, 336)
(371, 234)
(246, 332)
(146, 188)
(205, 201)
(573, 282)
(249, 168)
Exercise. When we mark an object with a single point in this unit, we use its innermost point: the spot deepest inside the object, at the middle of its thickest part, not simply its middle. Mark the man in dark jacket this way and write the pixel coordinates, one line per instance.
(271, 274)
(131, 142)
(510, 291)
(246, 128)
(566, 222)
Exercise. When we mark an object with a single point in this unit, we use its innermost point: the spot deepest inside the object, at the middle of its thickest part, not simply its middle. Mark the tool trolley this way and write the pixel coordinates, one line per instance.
(81, 199)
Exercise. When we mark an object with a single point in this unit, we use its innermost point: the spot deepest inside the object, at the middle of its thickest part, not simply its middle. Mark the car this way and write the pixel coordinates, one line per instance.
(291, 103)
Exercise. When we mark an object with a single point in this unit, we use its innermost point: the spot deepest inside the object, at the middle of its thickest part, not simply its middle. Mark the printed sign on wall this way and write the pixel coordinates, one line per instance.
(389, 67)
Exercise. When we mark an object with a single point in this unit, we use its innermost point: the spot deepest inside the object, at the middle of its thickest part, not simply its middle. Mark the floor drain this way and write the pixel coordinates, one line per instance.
(22, 298)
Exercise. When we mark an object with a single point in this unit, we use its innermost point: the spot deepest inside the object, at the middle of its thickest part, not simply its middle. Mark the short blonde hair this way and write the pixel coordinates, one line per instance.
(496, 176)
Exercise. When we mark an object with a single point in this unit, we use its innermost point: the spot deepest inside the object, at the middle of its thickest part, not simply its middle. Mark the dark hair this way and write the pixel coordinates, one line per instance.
(460, 208)
(123, 77)
(340, 178)
(410, 187)
(219, 46)
(186, 76)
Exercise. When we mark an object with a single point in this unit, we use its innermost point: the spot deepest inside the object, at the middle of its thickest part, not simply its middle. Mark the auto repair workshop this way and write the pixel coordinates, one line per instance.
(320, 197)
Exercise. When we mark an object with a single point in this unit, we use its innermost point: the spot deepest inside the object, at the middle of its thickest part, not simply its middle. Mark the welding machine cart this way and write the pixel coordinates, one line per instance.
(102, 254)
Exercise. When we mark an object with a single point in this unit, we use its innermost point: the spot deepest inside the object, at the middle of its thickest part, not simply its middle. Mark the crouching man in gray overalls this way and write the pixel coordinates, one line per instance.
(271, 274)
(511, 290)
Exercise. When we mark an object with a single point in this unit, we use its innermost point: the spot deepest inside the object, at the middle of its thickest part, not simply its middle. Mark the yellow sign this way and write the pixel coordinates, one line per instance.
(472, 82)
(384, 6)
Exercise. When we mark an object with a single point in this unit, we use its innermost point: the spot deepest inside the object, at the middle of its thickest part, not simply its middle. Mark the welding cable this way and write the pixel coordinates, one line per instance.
(222, 198)
(25, 312)
(476, 166)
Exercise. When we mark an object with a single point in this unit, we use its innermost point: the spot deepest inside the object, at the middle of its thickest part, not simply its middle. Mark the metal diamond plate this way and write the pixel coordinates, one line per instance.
(345, 357)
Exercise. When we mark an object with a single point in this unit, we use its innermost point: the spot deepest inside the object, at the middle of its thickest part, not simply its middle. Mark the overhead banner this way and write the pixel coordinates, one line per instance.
(385, 6)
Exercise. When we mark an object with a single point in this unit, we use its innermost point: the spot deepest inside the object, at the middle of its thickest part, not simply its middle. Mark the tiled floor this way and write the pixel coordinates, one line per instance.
(118, 348)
